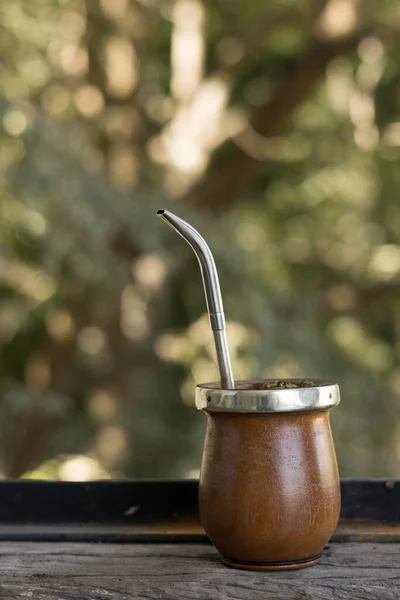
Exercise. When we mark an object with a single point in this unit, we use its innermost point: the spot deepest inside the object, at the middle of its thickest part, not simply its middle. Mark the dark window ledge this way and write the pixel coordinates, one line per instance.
(163, 511)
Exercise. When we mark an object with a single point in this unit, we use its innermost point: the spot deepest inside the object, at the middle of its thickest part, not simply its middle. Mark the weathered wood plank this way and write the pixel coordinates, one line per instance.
(66, 571)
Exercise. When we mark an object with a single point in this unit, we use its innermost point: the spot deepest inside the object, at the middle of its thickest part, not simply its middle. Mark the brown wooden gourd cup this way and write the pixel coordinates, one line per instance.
(269, 493)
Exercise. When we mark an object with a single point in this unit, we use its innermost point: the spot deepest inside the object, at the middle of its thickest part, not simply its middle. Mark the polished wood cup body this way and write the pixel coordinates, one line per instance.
(269, 493)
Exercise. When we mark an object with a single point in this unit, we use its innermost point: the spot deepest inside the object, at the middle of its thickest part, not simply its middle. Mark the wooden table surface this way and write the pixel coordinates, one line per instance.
(66, 570)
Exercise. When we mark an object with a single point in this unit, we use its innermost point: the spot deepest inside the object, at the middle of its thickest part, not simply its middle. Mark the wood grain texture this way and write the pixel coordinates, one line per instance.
(66, 571)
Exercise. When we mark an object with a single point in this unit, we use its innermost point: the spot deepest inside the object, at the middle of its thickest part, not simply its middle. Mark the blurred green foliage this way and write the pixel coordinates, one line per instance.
(272, 127)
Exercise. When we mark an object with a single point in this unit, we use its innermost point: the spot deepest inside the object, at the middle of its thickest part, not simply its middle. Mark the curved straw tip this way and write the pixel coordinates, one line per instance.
(161, 211)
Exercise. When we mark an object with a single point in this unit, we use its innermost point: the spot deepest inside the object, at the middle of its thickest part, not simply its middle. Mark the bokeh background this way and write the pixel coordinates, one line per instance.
(274, 128)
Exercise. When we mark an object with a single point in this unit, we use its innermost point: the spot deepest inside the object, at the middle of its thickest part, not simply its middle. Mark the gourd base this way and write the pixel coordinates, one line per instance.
(272, 566)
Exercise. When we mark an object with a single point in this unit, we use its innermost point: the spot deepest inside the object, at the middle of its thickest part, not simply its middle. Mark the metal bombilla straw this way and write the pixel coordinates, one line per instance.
(212, 292)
